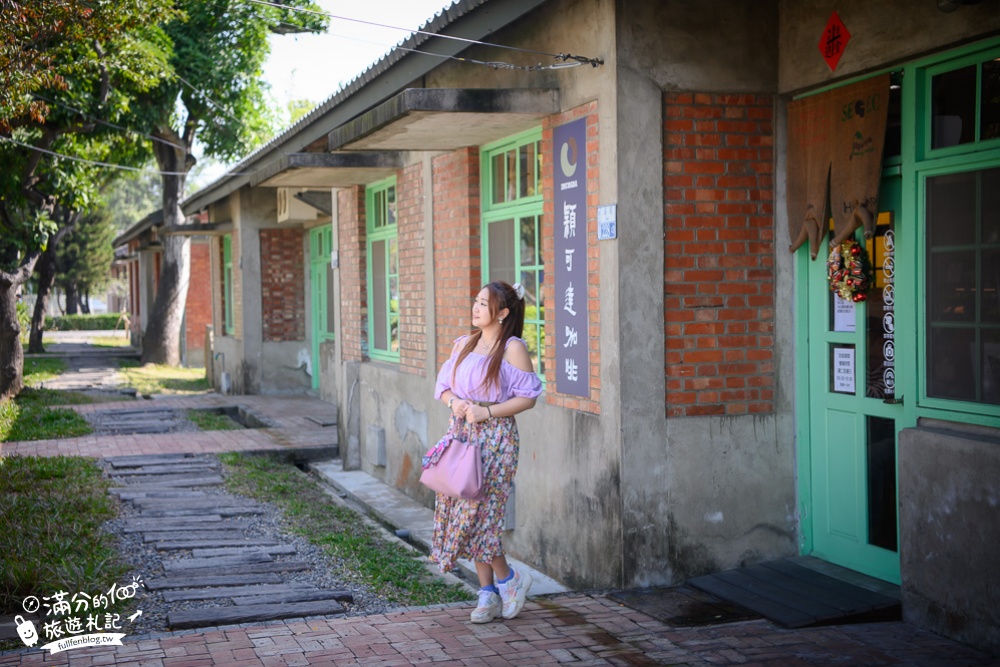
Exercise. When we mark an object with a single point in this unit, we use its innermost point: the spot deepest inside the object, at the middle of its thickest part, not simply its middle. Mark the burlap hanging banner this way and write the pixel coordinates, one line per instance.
(856, 171)
(838, 134)
(809, 139)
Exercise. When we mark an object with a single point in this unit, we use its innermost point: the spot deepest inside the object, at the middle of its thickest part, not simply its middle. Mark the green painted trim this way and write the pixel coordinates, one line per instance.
(320, 245)
(802, 401)
(387, 233)
(227, 282)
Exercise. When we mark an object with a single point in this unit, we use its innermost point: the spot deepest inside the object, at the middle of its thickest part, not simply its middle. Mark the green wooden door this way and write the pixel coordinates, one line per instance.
(321, 288)
(855, 410)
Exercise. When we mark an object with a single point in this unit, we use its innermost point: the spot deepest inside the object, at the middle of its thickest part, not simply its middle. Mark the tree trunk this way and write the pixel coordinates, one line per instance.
(46, 280)
(11, 352)
(162, 338)
(85, 302)
(71, 299)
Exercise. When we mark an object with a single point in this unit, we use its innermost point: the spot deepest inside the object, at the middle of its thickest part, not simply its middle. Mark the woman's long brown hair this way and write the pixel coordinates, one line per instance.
(501, 295)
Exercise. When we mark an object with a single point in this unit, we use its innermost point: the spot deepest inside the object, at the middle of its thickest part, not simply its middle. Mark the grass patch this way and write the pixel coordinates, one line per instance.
(157, 379)
(37, 369)
(109, 341)
(381, 565)
(51, 511)
(213, 421)
(30, 417)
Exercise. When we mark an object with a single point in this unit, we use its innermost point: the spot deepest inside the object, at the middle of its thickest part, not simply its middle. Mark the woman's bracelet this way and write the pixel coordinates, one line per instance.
(489, 411)
(450, 400)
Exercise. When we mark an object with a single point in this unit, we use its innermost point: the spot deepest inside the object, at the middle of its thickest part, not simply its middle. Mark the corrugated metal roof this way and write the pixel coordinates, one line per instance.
(435, 24)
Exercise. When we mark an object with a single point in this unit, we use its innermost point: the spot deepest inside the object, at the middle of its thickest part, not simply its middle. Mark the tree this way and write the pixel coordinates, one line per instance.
(83, 259)
(65, 65)
(216, 95)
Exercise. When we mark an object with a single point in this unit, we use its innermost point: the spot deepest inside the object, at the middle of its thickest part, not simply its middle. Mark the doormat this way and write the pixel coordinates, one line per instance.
(683, 607)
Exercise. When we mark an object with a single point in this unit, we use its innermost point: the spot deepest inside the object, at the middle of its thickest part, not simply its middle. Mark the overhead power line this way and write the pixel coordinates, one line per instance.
(569, 59)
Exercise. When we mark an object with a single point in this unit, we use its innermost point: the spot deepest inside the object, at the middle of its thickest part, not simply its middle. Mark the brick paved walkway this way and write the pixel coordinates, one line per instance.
(293, 419)
(575, 629)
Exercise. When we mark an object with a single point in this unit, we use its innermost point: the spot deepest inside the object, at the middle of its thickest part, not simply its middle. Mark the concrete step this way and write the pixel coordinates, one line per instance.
(394, 508)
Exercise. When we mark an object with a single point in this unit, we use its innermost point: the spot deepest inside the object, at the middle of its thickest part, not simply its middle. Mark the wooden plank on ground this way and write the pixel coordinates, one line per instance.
(811, 610)
(295, 596)
(214, 500)
(200, 618)
(275, 550)
(165, 524)
(845, 597)
(256, 568)
(170, 545)
(196, 511)
(174, 481)
(185, 594)
(213, 579)
(191, 535)
(176, 469)
(140, 460)
(168, 492)
(219, 564)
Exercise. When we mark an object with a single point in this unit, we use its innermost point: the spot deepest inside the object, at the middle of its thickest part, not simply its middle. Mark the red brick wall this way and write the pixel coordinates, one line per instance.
(198, 311)
(412, 292)
(593, 402)
(719, 253)
(282, 284)
(457, 265)
(351, 241)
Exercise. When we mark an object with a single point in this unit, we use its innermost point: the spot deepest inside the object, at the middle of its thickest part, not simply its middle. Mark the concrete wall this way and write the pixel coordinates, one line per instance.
(882, 33)
(949, 502)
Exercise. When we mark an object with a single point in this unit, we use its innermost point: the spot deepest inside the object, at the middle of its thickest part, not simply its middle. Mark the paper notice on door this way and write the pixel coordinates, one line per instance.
(843, 370)
(844, 314)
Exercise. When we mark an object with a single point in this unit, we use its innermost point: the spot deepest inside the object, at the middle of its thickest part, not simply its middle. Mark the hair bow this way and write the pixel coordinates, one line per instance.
(519, 290)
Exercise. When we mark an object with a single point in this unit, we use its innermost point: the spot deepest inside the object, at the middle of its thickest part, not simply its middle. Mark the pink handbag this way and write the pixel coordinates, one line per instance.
(454, 467)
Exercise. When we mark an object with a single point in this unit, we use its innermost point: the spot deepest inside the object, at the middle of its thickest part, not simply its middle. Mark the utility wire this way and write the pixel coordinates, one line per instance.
(582, 60)
(108, 164)
(112, 125)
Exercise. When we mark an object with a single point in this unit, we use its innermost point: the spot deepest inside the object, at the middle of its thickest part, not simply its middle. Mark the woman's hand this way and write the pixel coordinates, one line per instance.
(476, 413)
(459, 407)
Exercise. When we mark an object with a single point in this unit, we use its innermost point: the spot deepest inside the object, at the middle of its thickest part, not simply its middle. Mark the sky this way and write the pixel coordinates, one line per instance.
(313, 67)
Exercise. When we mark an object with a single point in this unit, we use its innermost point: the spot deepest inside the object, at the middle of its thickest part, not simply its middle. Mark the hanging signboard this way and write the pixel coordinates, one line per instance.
(569, 162)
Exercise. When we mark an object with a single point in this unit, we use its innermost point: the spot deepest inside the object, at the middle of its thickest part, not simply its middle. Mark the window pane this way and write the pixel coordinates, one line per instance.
(501, 251)
(953, 96)
(527, 170)
(530, 284)
(894, 125)
(951, 209)
(377, 294)
(394, 314)
(989, 211)
(991, 366)
(394, 256)
(499, 178)
(511, 175)
(989, 281)
(390, 205)
(529, 253)
(881, 480)
(379, 206)
(950, 363)
(989, 112)
(951, 287)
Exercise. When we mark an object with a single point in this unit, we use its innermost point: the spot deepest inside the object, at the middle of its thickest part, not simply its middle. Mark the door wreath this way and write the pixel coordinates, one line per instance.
(847, 269)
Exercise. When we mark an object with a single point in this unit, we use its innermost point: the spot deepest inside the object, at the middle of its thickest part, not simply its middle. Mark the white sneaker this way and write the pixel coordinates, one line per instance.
(513, 594)
(488, 609)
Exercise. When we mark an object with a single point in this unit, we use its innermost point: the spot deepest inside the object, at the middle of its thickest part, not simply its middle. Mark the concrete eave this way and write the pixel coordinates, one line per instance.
(327, 170)
(144, 226)
(200, 229)
(444, 119)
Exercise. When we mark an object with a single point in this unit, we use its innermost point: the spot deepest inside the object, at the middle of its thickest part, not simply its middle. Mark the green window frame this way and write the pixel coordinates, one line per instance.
(227, 283)
(512, 242)
(956, 168)
(382, 250)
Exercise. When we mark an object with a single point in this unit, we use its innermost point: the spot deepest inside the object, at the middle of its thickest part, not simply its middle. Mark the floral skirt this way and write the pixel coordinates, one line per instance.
(470, 528)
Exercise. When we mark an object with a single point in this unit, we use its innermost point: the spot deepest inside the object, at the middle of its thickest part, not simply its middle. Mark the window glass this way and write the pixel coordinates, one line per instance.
(881, 477)
(499, 174)
(379, 308)
(527, 166)
(383, 268)
(953, 114)
(503, 262)
(989, 113)
(951, 208)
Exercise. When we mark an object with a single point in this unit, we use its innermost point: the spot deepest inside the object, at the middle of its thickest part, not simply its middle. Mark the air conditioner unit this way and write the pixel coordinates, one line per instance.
(292, 209)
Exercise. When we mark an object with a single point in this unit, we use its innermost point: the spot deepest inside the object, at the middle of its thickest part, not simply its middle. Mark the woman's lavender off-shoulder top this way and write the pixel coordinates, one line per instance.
(468, 381)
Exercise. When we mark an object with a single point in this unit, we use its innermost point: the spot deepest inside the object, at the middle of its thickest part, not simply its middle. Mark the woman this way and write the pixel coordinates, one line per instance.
(488, 379)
